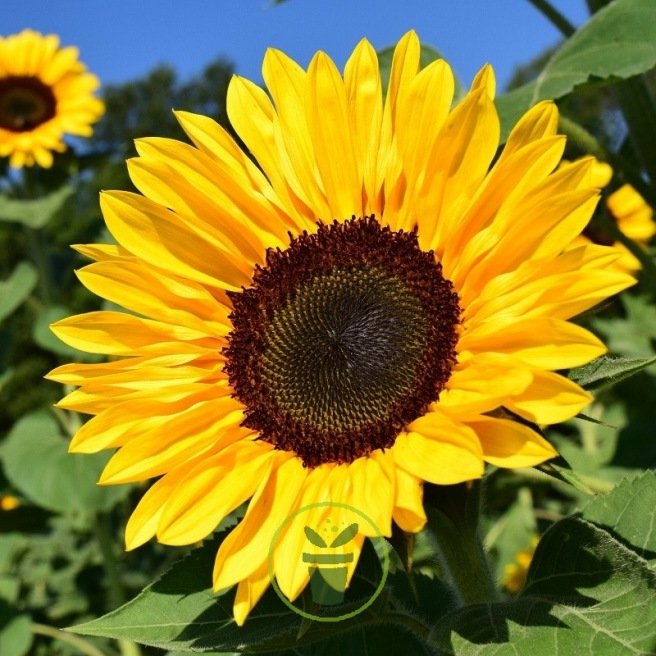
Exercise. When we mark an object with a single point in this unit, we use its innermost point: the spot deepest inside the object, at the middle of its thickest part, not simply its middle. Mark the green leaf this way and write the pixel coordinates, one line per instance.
(15, 632)
(34, 213)
(37, 463)
(427, 55)
(608, 370)
(616, 43)
(586, 594)
(629, 512)
(179, 612)
(15, 289)
(370, 640)
(635, 334)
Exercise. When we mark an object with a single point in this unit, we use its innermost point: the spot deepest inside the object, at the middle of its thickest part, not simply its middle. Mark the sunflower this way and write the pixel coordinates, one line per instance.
(45, 92)
(364, 309)
(514, 574)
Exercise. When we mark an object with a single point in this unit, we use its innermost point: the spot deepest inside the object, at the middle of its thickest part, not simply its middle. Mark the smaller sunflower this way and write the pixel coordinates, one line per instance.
(45, 92)
(514, 574)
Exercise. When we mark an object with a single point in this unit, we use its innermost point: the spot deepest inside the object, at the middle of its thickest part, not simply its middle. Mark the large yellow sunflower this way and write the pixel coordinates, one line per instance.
(342, 321)
(45, 93)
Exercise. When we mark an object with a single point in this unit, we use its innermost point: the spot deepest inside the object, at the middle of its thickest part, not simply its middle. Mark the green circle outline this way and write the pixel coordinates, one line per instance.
(385, 562)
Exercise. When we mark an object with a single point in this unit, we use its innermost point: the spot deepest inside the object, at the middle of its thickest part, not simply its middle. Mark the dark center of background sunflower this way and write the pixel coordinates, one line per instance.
(25, 103)
(342, 340)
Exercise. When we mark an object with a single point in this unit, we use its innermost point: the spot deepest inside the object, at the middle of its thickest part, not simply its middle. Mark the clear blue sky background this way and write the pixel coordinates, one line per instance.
(121, 40)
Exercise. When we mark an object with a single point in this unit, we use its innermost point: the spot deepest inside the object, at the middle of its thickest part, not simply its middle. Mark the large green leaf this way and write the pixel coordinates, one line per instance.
(179, 612)
(635, 334)
(34, 213)
(15, 633)
(616, 43)
(629, 511)
(586, 594)
(37, 463)
(16, 288)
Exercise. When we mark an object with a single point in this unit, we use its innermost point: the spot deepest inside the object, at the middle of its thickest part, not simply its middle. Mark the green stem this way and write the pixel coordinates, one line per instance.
(412, 624)
(639, 113)
(453, 518)
(114, 588)
(58, 634)
(549, 11)
(39, 257)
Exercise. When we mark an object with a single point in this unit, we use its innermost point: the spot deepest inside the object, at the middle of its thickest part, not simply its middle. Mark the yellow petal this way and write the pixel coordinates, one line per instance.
(550, 399)
(537, 123)
(541, 342)
(365, 101)
(142, 524)
(117, 333)
(332, 138)
(244, 550)
(156, 235)
(372, 492)
(206, 428)
(483, 383)
(559, 287)
(249, 592)
(439, 451)
(291, 573)
(211, 490)
(508, 443)
(138, 288)
(409, 511)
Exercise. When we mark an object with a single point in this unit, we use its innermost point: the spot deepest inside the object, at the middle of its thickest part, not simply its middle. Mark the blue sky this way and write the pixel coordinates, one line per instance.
(121, 40)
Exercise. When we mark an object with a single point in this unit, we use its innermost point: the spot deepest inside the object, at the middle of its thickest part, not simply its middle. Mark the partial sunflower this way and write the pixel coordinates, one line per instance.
(514, 574)
(343, 321)
(633, 215)
(45, 93)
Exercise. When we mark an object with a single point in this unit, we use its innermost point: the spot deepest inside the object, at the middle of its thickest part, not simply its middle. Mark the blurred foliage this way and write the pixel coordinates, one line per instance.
(53, 560)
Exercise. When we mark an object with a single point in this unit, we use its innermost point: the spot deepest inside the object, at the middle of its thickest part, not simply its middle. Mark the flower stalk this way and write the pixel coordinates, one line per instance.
(453, 519)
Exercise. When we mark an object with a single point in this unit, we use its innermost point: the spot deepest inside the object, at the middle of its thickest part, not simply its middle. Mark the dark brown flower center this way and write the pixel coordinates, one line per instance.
(25, 103)
(341, 340)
